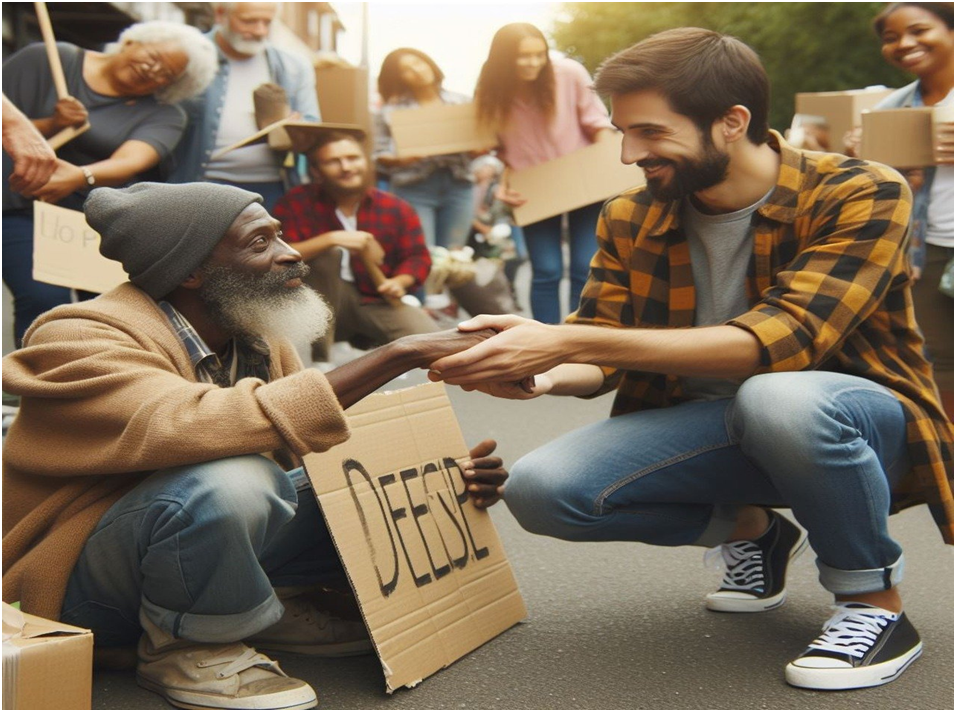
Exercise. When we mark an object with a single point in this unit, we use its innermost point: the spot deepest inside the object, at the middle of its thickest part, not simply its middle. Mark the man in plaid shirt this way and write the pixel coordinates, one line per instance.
(752, 308)
(365, 246)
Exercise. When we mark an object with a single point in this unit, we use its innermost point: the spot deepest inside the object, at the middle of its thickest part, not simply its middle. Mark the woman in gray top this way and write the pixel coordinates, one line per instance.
(127, 94)
(438, 187)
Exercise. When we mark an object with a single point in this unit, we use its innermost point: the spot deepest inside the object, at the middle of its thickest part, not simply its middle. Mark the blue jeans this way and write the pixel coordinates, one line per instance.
(444, 204)
(547, 262)
(200, 549)
(30, 298)
(827, 445)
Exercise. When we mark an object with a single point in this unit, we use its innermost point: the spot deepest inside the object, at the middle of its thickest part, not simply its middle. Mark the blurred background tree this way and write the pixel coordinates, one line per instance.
(805, 46)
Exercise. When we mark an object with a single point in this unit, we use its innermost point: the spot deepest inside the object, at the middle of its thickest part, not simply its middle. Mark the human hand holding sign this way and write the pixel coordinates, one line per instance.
(484, 475)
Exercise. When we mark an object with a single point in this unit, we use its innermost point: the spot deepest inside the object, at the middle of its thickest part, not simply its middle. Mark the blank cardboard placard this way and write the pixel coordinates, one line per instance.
(589, 175)
(426, 565)
(902, 138)
(841, 109)
(439, 130)
(66, 251)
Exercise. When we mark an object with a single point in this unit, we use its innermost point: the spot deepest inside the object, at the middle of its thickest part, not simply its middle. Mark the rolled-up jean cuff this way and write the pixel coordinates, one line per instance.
(722, 521)
(215, 628)
(842, 582)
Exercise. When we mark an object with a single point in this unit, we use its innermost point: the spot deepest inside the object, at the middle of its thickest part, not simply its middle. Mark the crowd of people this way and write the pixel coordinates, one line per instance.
(155, 460)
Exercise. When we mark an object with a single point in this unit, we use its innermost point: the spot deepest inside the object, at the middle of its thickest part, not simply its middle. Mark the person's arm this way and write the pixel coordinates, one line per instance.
(592, 114)
(302, 96)
(408, 259)
(33, 159)
(128, 161)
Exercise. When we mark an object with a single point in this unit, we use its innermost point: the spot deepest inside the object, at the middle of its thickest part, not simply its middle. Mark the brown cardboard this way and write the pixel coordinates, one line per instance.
(588, 175)
(343, 95)
(902, 138)
(288, 134)
(841, 109)
(438, 130)
(66, 251)
(426, 565)
(46, 665)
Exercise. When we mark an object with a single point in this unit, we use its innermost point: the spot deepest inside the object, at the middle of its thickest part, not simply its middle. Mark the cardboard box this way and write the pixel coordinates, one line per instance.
(589, 175)
(903, 138)
(291, 135)
(426, 565)
(66, 251)
(841, 109)
(438, 130)
(344, 96)
(46, 665)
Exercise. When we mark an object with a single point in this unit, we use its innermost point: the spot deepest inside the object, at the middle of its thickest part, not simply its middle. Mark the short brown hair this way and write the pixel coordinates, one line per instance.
(324, 138)
(701, 73)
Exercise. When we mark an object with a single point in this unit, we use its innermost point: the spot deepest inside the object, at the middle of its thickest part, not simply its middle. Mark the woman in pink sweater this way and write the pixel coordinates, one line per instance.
(542, 108)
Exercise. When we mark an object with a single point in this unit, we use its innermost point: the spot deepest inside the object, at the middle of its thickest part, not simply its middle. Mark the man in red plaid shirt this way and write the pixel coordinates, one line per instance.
(365, 246)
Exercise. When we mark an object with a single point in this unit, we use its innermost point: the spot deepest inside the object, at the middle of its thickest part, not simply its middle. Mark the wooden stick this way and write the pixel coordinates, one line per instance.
(59, 79)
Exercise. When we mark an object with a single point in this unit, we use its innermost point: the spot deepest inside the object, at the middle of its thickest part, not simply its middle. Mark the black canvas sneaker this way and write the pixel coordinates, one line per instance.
(756, 571)
(861, 646)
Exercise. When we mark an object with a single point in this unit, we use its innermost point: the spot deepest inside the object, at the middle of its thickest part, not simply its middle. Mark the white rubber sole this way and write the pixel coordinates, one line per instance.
(739, 602)
(327, 650)
(850, 678)
(303, 698)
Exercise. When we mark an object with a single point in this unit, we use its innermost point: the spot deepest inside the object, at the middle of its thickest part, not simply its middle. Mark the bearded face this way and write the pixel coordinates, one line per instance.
(677, 178)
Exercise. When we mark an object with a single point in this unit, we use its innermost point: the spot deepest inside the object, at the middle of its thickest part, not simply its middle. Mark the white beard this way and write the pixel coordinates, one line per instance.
(302, 320)
(242, 45)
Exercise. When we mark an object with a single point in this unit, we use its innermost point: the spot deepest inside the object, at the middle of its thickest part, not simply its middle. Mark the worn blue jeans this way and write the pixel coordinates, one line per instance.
(200, 548)
(444, 204)
(543, 239)
(829, 446)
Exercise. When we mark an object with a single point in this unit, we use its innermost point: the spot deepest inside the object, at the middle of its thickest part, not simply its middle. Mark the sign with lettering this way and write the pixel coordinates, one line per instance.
(66, 251)
(427, 567)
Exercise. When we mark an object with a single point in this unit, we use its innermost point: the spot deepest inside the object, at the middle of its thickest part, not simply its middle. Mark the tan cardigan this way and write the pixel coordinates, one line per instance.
(108, 395)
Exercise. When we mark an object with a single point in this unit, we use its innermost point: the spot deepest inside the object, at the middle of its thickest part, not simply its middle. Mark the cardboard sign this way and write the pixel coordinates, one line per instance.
(588, 175)
(438, 130)
(290, 135)
(46, 665)
(66, 251)
(902, 138)
(841, 109)
(426, 565)
(343, 96)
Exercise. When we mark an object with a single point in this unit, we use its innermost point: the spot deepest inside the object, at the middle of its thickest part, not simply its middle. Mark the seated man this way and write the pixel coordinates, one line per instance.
(752, 307)
(365, 246)
(136, 494)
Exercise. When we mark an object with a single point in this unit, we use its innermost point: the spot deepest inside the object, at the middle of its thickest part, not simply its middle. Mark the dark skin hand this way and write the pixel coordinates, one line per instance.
(484, 475)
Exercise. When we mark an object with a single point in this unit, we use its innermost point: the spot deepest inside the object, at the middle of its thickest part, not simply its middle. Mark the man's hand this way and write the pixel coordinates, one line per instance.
(355, 241)
(69, 112)
(484, 475)
(522, 348)
(525, 389)
(393, 288)
(33, 159)
(66, 179)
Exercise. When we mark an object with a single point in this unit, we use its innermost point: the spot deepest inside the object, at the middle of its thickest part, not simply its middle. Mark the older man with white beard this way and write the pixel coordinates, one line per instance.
(225, 113)
(138, 497)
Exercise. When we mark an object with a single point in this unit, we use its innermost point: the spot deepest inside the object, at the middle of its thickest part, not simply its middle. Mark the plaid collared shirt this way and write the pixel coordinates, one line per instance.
(828, 286)
(242, 361)
(307, 211)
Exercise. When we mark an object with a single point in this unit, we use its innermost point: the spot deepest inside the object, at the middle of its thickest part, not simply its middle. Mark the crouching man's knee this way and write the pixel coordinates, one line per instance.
(545, 503)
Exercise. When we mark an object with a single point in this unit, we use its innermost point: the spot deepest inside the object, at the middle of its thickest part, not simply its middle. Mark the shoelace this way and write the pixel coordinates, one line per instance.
(852, 631)
(248, 659)
(742, 563)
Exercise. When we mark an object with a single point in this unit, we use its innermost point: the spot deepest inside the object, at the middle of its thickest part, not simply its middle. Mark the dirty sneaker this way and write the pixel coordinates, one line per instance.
(861, 646)
(305, 629)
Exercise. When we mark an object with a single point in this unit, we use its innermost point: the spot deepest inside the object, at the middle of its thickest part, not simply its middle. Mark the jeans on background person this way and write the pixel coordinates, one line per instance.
(200, 548)
(543, 240)
(828, 446)
(30, 297)
(445, 206)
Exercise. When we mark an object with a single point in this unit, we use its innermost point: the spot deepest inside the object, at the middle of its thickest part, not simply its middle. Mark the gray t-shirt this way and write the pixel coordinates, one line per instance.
(27, 82)
(720, 250)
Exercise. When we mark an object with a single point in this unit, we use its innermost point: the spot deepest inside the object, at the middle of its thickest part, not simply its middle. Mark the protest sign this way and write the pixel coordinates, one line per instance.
(438, 130)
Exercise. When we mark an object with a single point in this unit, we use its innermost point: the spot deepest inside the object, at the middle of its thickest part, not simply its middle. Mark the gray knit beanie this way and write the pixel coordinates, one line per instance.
(161, 232)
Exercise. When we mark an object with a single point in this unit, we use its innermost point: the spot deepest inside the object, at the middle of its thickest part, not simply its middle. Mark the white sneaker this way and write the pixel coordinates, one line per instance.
(305, 629)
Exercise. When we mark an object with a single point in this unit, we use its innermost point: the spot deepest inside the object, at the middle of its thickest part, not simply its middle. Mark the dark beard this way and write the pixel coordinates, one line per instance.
(243, 303)
(689, 175)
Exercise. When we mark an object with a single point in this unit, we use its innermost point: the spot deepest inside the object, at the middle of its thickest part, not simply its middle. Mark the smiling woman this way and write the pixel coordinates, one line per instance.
(125, 94)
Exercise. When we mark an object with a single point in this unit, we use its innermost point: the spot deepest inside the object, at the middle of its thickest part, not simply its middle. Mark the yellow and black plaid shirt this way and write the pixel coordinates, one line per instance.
(828, 285)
